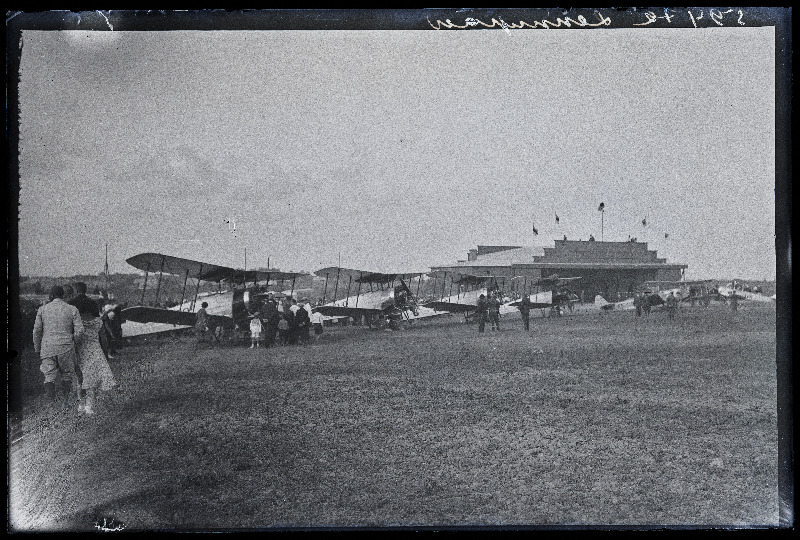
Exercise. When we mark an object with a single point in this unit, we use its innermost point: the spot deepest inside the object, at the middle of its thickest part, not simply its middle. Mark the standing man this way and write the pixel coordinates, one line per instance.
(734, 301)
(57, 329)
(480, 312)
(645, 301)
(672, 304)
(637, 303)
(201, 323)
(271, 317)
(525, 311)
(303, 324)
(494, 311)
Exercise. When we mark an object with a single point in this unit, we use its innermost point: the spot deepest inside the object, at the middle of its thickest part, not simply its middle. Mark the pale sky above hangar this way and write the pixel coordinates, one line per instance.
(395, 148)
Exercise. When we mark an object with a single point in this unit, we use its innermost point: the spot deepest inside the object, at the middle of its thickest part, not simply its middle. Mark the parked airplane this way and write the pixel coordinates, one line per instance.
(468, 288)
(389, 299)
(742, 294)
(658, 291)
(230, 308)
(557, 298)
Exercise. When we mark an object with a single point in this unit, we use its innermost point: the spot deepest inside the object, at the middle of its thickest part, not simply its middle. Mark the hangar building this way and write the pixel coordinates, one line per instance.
(612, 269)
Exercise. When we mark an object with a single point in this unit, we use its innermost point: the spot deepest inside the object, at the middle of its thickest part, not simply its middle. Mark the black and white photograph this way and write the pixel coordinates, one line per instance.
(425, 269)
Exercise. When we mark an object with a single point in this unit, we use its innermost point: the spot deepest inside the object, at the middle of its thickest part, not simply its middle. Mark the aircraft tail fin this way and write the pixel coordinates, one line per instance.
(601, 302)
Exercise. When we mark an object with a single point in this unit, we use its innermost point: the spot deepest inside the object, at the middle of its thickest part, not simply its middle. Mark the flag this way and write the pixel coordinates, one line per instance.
(535, 232)
(601, 207)
(556, 219)
(644, 222)
(666, 235)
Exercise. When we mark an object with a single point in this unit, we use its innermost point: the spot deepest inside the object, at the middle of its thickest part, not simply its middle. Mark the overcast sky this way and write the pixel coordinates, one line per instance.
(395, 149)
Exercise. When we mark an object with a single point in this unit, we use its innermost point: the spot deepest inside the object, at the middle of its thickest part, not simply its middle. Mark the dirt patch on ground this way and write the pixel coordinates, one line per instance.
(596, 419)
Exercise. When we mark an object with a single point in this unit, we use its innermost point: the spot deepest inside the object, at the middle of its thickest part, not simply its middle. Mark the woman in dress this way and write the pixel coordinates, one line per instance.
(92, 360)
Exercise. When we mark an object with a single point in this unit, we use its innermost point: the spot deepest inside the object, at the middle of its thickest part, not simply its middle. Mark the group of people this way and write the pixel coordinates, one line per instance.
(488, 309)
(75, 338)
(277, 322)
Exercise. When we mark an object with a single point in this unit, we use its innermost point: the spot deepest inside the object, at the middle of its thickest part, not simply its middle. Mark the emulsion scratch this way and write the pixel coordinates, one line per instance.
(106, 18)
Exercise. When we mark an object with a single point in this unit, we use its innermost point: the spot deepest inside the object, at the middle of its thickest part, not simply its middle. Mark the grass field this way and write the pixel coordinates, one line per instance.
(585, 420)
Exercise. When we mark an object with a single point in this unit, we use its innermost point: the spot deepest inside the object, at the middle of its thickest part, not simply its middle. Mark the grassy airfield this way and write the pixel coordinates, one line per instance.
(585, 420)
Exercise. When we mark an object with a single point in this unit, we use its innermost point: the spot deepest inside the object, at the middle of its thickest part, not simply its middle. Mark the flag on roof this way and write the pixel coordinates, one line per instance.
(535, 232)
(666, 235)
(601, 207)
(644, 222)
(556, 219)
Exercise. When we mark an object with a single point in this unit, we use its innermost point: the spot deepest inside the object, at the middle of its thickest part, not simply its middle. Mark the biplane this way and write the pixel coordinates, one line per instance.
(658, 291)
(556, 298)
(742, 293)
(468, 289)
(380, 298)
(231, 308)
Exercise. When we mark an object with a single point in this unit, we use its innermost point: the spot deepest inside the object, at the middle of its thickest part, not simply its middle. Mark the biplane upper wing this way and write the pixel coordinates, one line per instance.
(363, 276)
(157, 262)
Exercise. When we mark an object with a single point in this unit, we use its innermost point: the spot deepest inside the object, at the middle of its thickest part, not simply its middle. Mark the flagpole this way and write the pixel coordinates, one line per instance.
(105, 284)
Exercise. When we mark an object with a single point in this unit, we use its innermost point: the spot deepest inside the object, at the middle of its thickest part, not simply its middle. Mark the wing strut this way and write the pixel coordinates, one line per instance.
(197, 289)
(291, 294)
(160, 274)
(144, 289)
(336, 288)
(183, 291)
(358, 291)
(444, 281)
(325, 290)
(419, 282)
(347, 297)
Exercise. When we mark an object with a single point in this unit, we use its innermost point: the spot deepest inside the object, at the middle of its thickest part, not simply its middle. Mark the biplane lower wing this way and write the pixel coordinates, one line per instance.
(345, 311)
(145, 314)
(450, 307)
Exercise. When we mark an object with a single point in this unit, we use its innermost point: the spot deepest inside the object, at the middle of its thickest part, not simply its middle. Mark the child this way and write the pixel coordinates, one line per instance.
(283, 331)
(316, 321)
(255, 331)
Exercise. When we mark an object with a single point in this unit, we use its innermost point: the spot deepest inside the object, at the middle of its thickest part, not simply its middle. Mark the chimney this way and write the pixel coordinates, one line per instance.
(473, 255)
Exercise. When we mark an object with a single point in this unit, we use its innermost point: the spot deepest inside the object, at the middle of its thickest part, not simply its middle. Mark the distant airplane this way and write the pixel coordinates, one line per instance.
(686, 291)
(389, 299)
(230, 308)
(743, 294)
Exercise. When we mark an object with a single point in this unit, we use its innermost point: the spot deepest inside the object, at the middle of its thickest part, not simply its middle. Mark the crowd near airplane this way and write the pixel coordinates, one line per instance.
(377, 298)
(231, 308)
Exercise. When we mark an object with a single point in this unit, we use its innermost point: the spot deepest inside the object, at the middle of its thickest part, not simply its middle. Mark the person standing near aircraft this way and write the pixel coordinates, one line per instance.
(303, 324)
(270, 321)
(255, 330)
(57, 329)
(734, 302)
(637, 303)
(645, 301)
(672, 304)
(291, 332)
(318, 324)
(494, 311)
(201, 324)
(96, 374)
(481, 312)
(525, 311)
